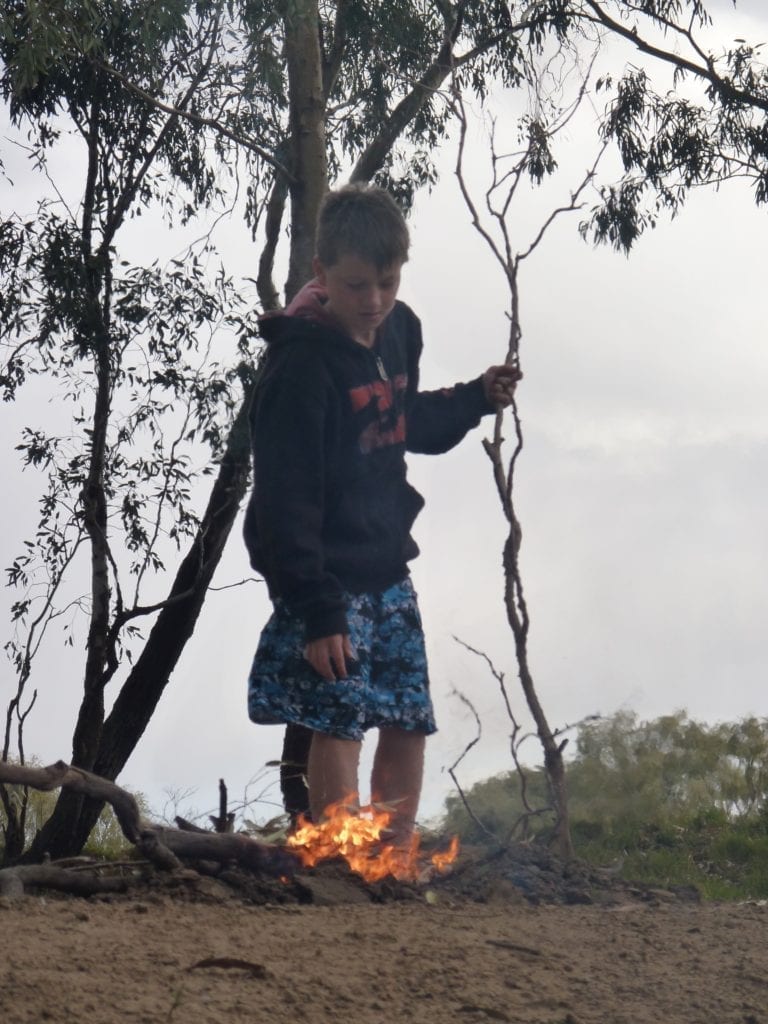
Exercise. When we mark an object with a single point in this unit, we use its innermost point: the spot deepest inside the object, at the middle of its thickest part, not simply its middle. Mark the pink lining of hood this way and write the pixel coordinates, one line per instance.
(309, 304)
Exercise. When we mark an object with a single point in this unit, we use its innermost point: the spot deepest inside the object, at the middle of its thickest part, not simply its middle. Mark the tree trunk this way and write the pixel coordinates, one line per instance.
(93, 498)
(309, 163)
(553, 751)
(12, 830)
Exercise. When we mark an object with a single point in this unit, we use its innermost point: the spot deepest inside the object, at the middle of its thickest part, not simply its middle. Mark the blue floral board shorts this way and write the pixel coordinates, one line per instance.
(388, 685)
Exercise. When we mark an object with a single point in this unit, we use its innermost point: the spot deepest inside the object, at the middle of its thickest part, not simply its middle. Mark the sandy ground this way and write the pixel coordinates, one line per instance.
(155, 958)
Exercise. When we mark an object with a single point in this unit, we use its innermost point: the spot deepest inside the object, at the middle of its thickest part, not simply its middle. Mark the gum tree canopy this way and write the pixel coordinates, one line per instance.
(181, 111)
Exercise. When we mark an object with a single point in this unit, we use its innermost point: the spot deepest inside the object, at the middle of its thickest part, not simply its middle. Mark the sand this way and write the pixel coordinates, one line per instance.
(211, 957)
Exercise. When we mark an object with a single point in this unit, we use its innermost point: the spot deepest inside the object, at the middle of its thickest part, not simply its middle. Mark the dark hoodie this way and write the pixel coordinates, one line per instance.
(331, 508)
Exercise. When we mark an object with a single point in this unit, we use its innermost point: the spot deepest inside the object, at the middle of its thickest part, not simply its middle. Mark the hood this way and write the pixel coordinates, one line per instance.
(308, 305)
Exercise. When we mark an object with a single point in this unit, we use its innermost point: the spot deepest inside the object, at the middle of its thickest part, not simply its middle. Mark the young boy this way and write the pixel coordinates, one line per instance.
(328, 523)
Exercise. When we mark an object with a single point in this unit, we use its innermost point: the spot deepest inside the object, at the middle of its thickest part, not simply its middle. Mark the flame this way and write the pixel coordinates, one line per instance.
(360, 838)
(442, 861)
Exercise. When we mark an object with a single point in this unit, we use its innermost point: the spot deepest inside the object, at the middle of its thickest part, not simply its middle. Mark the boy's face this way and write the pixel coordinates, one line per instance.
(360, 295)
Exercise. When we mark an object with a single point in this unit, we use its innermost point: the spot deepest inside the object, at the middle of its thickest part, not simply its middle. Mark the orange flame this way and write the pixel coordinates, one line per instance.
(442, 861)
(359, 837)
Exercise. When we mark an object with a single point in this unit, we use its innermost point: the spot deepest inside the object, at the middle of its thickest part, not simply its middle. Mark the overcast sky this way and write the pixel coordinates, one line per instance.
(641, 491)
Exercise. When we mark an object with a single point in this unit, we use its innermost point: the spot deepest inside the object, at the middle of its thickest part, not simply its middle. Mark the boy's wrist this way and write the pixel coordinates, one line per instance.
(480, 396)
(325, 622)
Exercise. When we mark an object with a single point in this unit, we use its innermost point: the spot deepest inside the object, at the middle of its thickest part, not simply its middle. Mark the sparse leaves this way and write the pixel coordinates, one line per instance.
(712, 127)
(142, 407)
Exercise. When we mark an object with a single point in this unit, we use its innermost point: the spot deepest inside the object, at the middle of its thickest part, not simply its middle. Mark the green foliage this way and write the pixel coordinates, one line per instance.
(496, 809)
(131, 340)
(725, 858)
(28, 807)
(712, 127)
(679, 801)
(625, 770)
(388, 63)
(144, 400)
(106, 840)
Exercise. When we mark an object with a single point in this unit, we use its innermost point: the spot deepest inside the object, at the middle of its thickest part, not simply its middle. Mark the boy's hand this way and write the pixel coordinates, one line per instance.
(329, 653)
(499, 385)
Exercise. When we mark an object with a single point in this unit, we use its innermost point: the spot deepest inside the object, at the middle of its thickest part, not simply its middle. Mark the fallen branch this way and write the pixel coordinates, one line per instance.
(160, 845)
(49, 876)
(224, 847)
(64, 776)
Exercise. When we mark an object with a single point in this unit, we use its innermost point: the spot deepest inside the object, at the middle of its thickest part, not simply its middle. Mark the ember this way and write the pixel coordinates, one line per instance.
(361, 839)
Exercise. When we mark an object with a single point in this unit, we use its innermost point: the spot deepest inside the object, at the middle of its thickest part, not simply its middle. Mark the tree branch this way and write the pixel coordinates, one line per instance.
(197, 119)
(452, 770)
(332, 61)
(705, 72)
(376, 152)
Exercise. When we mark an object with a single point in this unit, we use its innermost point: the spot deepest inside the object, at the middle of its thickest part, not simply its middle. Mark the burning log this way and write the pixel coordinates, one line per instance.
(362, 839)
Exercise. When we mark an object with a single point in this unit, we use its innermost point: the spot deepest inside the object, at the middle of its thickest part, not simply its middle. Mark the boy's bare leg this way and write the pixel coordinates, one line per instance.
(332, 773)
(398, 767)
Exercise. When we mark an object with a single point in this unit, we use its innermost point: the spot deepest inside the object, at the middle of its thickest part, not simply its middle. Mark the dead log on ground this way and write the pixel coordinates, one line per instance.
(162, 846)
(50, 876)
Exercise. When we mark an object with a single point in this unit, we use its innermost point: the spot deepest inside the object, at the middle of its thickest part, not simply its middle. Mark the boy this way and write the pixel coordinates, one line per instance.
(328, 523)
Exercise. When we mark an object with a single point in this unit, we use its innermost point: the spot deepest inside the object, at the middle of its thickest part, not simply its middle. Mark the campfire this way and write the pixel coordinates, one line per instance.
(361, 838)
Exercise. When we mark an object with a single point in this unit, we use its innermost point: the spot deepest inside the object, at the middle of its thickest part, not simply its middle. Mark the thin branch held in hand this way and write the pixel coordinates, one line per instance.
(535, 161)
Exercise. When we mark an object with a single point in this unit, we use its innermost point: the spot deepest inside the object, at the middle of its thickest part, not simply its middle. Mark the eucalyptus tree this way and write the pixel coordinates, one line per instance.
(177, 105)
(124, 349)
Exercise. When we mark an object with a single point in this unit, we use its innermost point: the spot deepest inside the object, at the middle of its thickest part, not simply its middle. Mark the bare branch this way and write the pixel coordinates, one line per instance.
(460, 109)
(452, 770)
(497, 675)
(515, 740)
(240, 583)
(569, 207)
(34, 638)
